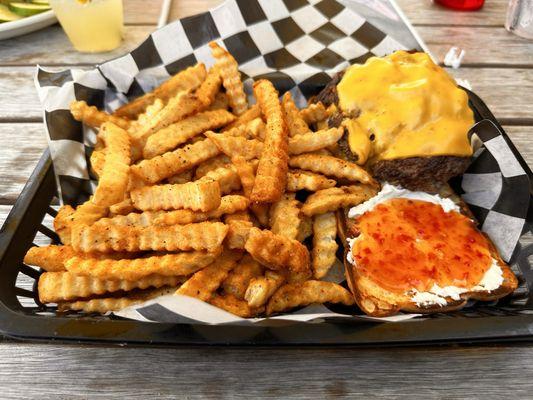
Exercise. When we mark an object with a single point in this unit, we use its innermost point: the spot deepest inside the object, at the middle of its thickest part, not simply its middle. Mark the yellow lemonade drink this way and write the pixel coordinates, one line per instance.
(91, 25)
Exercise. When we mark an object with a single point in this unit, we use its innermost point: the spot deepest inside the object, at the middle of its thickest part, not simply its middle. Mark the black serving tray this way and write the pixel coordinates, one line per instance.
(38, 322)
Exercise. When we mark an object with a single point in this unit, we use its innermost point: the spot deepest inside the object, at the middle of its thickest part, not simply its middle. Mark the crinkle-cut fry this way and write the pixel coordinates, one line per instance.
(50, 258)
(148, 114)
(97, 161)
(311, 141)
(231, 78)
(220, 161)
(298, 179)
(228, 205)
(263, 287)
(63, 223)
(123, 208)
(186, 80)
(59, 286)
(237, 216)
(284, 216)
(246, 173)
(103, 305)
(172, 136)
(178, 264)
(314, 113)
(209, 87)
(205, 282)
(252, 113)
(236, 306)
(271, 177)
(331, 199)
(93, 117)
(294, 295)
(236, 146)
(227, 178)
(295, 122)
(114, 177)
(106, 238)
(238, 233)
(238, 279)
(324, 244)
(175, 162)
(331, 166)
(277, 252)
(200, 195)
(219, 103)
(305, 229)
(183, 177)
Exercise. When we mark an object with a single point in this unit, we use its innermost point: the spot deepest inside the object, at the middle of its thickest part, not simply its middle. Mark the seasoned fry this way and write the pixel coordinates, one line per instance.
(234, 305)
(122, 208)
(183, 177)
(148, 114)
(219, 103)
(236, 146)
(271, 175)
(106, 238)
(246, 173)
(227, 178)
(97, 161)
(220, 161)
(314, 113)
(237, 216)
(295, 122)
(239, 278)
(201, 195)
(50, 258)
(63, 223)
(85, 214)
(277, 252)
(93, 117)
(187, 80)
(175, 162)
(331, 166)
(294, 295)
(205, 282)
(332, 199)
(114, 176)
(252, 113)
(178, 264)
(311, 141)
(298, 179)
(231, 78)
(284, 217)
(238, 233)
(54, 287)
(262, 288)
(324, 244)
(305, 229)
(210, 87)
(172, 136)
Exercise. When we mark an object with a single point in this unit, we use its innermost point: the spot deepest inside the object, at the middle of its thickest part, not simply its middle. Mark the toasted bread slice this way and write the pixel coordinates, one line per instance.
(376, 301)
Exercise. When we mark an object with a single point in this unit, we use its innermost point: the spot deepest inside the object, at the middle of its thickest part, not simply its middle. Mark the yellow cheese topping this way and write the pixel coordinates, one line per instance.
(408, 106)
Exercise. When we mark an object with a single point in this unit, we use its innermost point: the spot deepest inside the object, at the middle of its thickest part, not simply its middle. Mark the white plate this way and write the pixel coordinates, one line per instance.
(27, 25)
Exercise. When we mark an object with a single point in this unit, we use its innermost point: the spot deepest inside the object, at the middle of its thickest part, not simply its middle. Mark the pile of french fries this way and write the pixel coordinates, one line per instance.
(201, 194)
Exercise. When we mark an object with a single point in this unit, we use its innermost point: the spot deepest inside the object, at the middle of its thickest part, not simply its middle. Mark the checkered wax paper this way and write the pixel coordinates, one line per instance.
(298, 45)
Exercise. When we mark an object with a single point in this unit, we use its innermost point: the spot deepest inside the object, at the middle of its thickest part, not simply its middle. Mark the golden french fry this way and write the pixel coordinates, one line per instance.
(311, 141)
(175, 162)
(123, 208)
(103, 305)
(227, 178)
(238, 232)
(271, 176)
(295, 122)
(314, 113)
(93, 117)
(201, 195)
(59, 286)
(245, 172)
(210, 87)
(331, 166)
(262, 288)
(114, 176)
(277, 252)
(63, 222)
(183, 177)
(284, 217)
(231, 78)
(172, 136)
(237, 216)
(205, 282)
(220, 161)
(187, 80)
(178, 264)
(97, 161)
(50, 258)
(234, 305)
(298, 179)
(106, 238)
(239, 278)
(249, 115)
(85, 214)
(324, 244)
(332, 199)
(150, 112)
(305, 229)
(236, 146)
(219, 103)
(294, 295)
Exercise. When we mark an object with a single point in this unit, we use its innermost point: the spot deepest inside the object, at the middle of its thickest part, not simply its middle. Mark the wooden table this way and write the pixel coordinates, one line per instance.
(499, 67)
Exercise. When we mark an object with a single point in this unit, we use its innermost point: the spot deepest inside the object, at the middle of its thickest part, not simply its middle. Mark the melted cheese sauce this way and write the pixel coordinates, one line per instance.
(408, 105)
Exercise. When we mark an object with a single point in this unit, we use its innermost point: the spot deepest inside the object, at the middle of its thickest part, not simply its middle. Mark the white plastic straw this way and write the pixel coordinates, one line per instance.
(165, 11)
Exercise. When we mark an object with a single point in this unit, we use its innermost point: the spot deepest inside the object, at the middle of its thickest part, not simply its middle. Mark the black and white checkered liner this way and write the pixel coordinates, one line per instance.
(297, 44)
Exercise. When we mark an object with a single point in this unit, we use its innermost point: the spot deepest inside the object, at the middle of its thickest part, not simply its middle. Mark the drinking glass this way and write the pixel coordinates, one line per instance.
(520, 18)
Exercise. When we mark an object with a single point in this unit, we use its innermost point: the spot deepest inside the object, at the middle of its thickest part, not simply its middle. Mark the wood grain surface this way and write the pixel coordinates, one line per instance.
(499, 67)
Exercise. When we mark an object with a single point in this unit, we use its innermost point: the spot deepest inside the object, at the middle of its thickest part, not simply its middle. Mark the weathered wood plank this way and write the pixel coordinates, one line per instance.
(137, 12)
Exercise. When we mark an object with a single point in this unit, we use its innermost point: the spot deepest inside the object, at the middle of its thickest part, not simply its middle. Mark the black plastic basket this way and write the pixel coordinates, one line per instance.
(23, 316)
